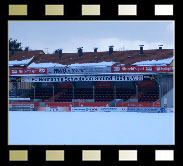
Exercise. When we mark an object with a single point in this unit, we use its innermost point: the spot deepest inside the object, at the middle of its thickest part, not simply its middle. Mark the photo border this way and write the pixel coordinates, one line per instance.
(73, 153)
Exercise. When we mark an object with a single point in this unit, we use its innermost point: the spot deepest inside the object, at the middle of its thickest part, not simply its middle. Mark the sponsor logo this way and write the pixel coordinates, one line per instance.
(54, 109)
(27, 71)
(148, 68)
(42, 70)
(20, 71)
(109, 109)
(132, 69)
(79, 109)
(124, 68)
(14, 71)
(158, 68)
(93, 109)
(34, 71)
(116, 68)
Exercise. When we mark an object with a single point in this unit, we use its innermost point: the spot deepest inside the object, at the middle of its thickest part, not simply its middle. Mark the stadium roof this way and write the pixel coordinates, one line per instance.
(129, 57)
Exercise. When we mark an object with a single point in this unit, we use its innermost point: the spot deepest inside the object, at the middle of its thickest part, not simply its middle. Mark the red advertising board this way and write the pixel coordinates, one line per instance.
(28, 71)
(54, 109)
(69, 104)
(95, 104)
(134, 104)
(157, 103)
(58, 104)
(34, 104)
(164, 68)
(136, 69)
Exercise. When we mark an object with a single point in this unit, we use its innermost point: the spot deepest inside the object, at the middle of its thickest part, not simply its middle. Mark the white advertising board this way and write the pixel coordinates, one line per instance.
(78, 70)
(99, 109)
(83, 78)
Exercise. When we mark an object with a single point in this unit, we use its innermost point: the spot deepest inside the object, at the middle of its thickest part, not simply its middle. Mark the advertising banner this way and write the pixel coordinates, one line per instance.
(28, 71)
(157, 103)
(92, 109)
(169, 110)
(99, 109)
(78, 109)
(78, 70)
(22, 105)
(54, 109)
(140, 69)
(83, 78)
(146, 109)
(134, 104)
(164, 69)
(112, 109)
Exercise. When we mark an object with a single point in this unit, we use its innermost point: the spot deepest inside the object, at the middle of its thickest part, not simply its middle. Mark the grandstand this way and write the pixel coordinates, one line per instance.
(91, 79)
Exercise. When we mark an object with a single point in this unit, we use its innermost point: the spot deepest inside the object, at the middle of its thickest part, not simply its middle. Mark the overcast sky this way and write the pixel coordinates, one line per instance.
(69, 35)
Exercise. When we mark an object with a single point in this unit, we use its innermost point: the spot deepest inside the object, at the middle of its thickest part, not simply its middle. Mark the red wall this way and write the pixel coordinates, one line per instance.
(36, 104)
(134, 104)
(58, 104)
(94, 104)
(67, 104)
(76, 104)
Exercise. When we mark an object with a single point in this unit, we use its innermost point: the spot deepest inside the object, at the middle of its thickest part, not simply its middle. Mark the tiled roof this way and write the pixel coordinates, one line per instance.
(23, 55)
(117, 56)
(122, 57)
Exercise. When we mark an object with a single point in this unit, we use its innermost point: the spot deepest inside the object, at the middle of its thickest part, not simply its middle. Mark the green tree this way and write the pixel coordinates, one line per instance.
(14, 45)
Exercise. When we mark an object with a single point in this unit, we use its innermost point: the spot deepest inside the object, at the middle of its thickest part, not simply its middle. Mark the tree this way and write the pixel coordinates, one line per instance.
(14, 45)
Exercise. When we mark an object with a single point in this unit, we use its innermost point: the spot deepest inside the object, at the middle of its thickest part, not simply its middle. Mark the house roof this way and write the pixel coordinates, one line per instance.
(23, 58)
(23, 55)
(120, 57)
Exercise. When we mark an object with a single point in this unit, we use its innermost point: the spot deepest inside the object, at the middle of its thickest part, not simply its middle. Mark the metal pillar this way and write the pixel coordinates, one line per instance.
(73, 92)
(160, 93)
(34, 92)
(16, 89)
(136, 91)
(53, 93)
(114, 91)
(93, 92)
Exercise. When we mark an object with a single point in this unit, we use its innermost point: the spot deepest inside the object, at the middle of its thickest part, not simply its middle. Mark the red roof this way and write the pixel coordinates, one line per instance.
(121, 57)
(23, 55)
